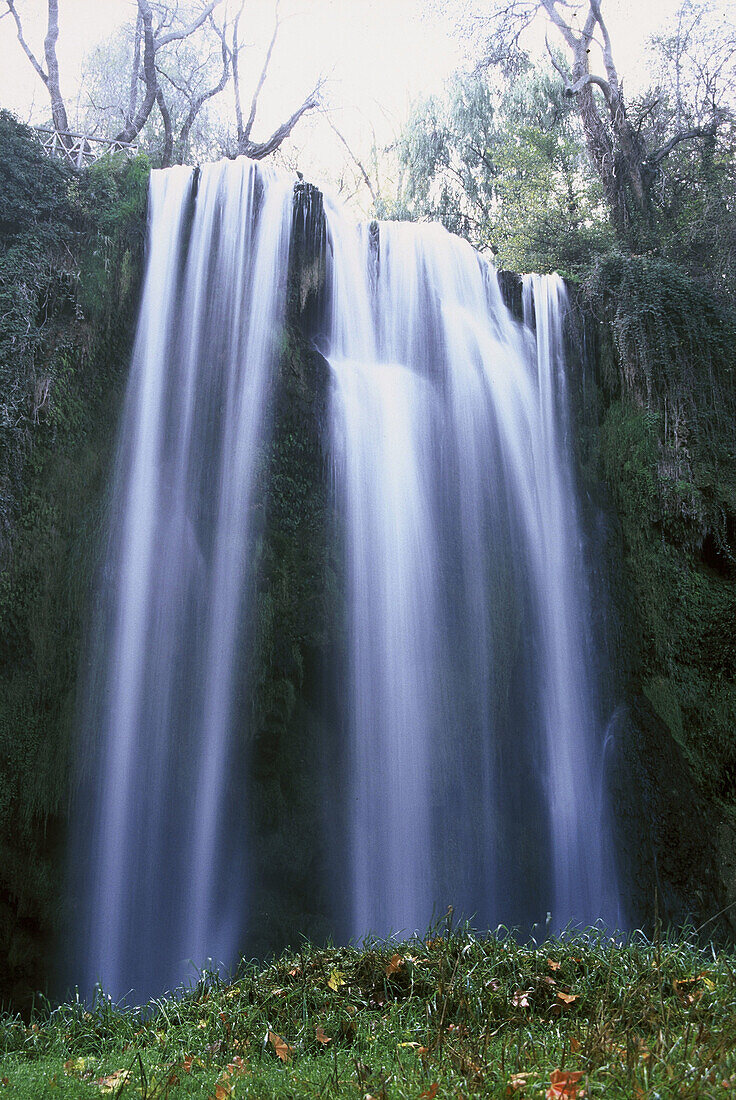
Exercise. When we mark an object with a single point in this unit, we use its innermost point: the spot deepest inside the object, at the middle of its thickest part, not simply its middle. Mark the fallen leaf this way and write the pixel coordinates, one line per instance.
(223, 1090)
(335, 980)
(321, 1037)
(564, 1084)
(517, 1083)
(295, 972)
(422, 1051)
(574, 1045)
(188, 1063)
(566, 998)
(73, 1066)
(553, 965)
(431, 1092)
(395, 964)
(412, 1044)
(280, 1046)
(113, 1080)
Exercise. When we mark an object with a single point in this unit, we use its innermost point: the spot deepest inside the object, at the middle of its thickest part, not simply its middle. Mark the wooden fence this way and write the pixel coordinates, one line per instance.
(79, 149)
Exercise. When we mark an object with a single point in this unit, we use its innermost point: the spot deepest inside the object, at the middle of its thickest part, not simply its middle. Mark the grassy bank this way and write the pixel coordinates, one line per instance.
(448, 1016)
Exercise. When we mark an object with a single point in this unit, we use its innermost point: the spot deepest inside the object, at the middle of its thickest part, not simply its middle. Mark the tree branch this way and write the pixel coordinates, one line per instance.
(245, 136)
(150, 77)
(26, 48)
(684, 135)
(198, 102)
(353, 157)
(173, 36)
(258, 150)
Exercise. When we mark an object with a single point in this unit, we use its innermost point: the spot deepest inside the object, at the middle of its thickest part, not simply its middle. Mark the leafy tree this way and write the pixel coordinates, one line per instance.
(694, 62)
(503, 163)
(628, 162)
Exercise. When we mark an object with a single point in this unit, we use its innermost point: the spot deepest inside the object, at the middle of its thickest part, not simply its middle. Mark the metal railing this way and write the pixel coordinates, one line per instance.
(81, 149)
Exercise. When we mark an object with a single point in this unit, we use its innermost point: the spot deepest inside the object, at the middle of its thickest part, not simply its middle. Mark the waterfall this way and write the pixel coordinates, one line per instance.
(469, 716)
(163, 846)
(475, 740)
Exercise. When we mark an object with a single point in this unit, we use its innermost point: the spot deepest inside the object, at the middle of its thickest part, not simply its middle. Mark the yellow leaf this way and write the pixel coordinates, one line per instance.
(336, 979)
(74, 1065)
(113, 1081)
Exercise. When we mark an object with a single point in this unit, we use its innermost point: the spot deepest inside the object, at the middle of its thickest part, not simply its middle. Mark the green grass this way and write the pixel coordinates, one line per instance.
(453, 1015)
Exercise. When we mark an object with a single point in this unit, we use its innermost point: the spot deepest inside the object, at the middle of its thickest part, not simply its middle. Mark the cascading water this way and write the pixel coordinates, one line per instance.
(475, 753)
(470, 715)
(163, 847)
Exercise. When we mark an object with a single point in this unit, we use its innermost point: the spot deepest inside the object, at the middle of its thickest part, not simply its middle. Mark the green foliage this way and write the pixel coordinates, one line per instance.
(675, 344)
(33, 185)
(506, 167)
(69, 277)
(448, 1015)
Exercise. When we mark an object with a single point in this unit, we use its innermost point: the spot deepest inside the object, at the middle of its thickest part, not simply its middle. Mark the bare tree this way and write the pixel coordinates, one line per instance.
(49, 75)
(152, 35)
(159, 26)
(256, 150)
(626, 165)
(158, 80)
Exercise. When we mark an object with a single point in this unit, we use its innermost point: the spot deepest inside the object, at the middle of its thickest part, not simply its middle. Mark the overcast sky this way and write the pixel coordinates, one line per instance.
(379, 55)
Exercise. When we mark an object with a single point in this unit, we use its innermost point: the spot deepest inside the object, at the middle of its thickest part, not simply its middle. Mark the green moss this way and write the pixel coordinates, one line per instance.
(682, 608)
(297, 607)
(69, 278)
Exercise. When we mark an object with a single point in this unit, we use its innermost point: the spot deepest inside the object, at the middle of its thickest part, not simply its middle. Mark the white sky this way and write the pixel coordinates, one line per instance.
(379, 55)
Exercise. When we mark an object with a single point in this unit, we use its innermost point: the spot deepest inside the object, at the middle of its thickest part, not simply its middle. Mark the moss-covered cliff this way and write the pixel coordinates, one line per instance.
(658, 442)
(70, 260)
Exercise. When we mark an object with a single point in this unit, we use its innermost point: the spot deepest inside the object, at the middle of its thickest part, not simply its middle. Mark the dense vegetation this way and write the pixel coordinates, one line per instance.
(448, 1016)
(70, 255)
